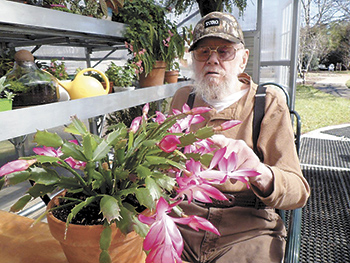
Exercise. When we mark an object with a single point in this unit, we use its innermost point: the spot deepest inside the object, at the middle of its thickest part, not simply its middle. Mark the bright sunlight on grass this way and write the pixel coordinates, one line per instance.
(318, 109)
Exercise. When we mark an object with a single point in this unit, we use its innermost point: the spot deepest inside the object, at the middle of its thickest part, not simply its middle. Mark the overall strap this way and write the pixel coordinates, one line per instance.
(190, 99)
(259, 112)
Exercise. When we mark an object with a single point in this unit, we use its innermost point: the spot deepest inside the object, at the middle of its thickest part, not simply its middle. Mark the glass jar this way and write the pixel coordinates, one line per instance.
(31, 85)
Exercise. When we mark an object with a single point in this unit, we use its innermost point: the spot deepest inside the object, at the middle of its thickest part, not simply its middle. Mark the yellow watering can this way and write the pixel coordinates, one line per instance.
(85, 86)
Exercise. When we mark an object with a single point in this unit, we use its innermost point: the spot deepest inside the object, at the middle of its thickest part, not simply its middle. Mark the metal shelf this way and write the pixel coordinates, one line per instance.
(28, 120)
(26, 25)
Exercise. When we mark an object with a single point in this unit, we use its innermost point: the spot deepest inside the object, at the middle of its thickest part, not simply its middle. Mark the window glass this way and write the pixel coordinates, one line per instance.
(276, 30)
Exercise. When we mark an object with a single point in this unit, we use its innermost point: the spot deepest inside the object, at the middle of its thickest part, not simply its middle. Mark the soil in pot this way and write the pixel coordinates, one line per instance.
(81, 241)
(36, 95)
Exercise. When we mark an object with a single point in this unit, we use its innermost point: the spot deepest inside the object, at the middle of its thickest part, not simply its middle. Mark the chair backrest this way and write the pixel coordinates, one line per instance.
(292, 252)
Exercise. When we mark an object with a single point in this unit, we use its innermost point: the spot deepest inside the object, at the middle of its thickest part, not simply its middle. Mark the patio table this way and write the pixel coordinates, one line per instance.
(20, 242)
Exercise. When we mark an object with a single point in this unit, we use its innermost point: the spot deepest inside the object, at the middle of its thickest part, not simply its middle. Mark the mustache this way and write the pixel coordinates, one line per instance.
(209, 69)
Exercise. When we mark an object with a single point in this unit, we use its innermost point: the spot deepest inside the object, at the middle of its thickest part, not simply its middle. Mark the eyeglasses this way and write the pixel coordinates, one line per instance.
(225, 53)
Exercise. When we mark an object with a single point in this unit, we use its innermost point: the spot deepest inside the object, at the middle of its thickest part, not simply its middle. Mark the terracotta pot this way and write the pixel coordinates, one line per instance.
(155, 77)
(110, 86)
(171, 76)
(81, 244)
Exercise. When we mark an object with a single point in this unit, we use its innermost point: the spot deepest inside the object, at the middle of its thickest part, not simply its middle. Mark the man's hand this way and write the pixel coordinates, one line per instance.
(247, 159)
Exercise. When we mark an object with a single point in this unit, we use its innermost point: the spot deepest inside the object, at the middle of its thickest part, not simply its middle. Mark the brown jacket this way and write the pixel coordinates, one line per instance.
(276, 141)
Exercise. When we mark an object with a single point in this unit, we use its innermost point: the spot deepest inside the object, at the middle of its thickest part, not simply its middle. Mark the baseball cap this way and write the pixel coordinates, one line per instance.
(217, 24)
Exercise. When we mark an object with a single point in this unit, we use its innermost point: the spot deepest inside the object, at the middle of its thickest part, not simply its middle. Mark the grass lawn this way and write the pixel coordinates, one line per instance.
(318, 109)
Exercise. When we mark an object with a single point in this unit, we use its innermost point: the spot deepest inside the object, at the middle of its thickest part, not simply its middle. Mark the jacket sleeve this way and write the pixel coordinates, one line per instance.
(276, 141)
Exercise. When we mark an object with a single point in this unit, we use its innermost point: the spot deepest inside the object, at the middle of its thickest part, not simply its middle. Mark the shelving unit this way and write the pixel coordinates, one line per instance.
(25, 25)
(27, 120)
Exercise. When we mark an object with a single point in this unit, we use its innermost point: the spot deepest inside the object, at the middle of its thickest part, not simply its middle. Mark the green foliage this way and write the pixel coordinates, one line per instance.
(150, 35)
(182, 5)
(5, 66)
(122, 76)
(122, 174)
(318, 109)
(22, 79)
(17, 86)
(81, 7)
(57, 69)
(4, 93)
(338, 48)
(127, 115)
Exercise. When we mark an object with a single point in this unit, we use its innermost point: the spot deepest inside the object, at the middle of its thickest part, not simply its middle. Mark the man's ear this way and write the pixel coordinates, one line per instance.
(244, 61)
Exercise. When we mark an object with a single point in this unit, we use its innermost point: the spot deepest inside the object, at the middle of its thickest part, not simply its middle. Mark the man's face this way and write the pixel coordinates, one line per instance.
(215, 78)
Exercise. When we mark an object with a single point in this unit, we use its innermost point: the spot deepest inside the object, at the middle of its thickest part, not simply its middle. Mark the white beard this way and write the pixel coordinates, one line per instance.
(213, 89)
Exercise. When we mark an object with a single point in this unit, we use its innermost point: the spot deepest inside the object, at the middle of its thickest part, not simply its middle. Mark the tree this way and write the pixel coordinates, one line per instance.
(316, 16)
(345, 7)
(339, 44)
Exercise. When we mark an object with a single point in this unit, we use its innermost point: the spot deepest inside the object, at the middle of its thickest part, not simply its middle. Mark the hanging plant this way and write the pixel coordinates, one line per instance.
(205, 6)
(150, 35)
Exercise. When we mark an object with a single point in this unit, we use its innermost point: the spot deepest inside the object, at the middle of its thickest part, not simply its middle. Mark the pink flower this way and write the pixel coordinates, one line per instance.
(195, 118)
(162, 235)
(169, 143)
(139, 63)
(198, 188)
(145, 110)
(74, 141)
(15, 166)
(164, 239)
(165, 43)
(135, 124)
(48, 151)
(227, 125)
(201, 146)
(129, 46)
(160, 117)
(228, 166)
(195, 111)
(74, 163)
(197, 223)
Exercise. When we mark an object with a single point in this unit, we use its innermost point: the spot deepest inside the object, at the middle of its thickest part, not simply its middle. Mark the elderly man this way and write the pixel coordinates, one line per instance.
(251, 230)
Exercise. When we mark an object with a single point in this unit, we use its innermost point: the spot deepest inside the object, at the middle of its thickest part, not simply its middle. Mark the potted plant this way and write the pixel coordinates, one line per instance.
(57, 69)
(6, 97)
(172, 72)
(151, 165)
(31, 85)
(175, 50)
(148, 34)
(123, 77)
(206, 6)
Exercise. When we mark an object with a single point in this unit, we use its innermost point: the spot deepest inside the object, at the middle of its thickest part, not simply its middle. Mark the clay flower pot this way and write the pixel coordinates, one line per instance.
(81, 244)
(171, 76)
(155, 77)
